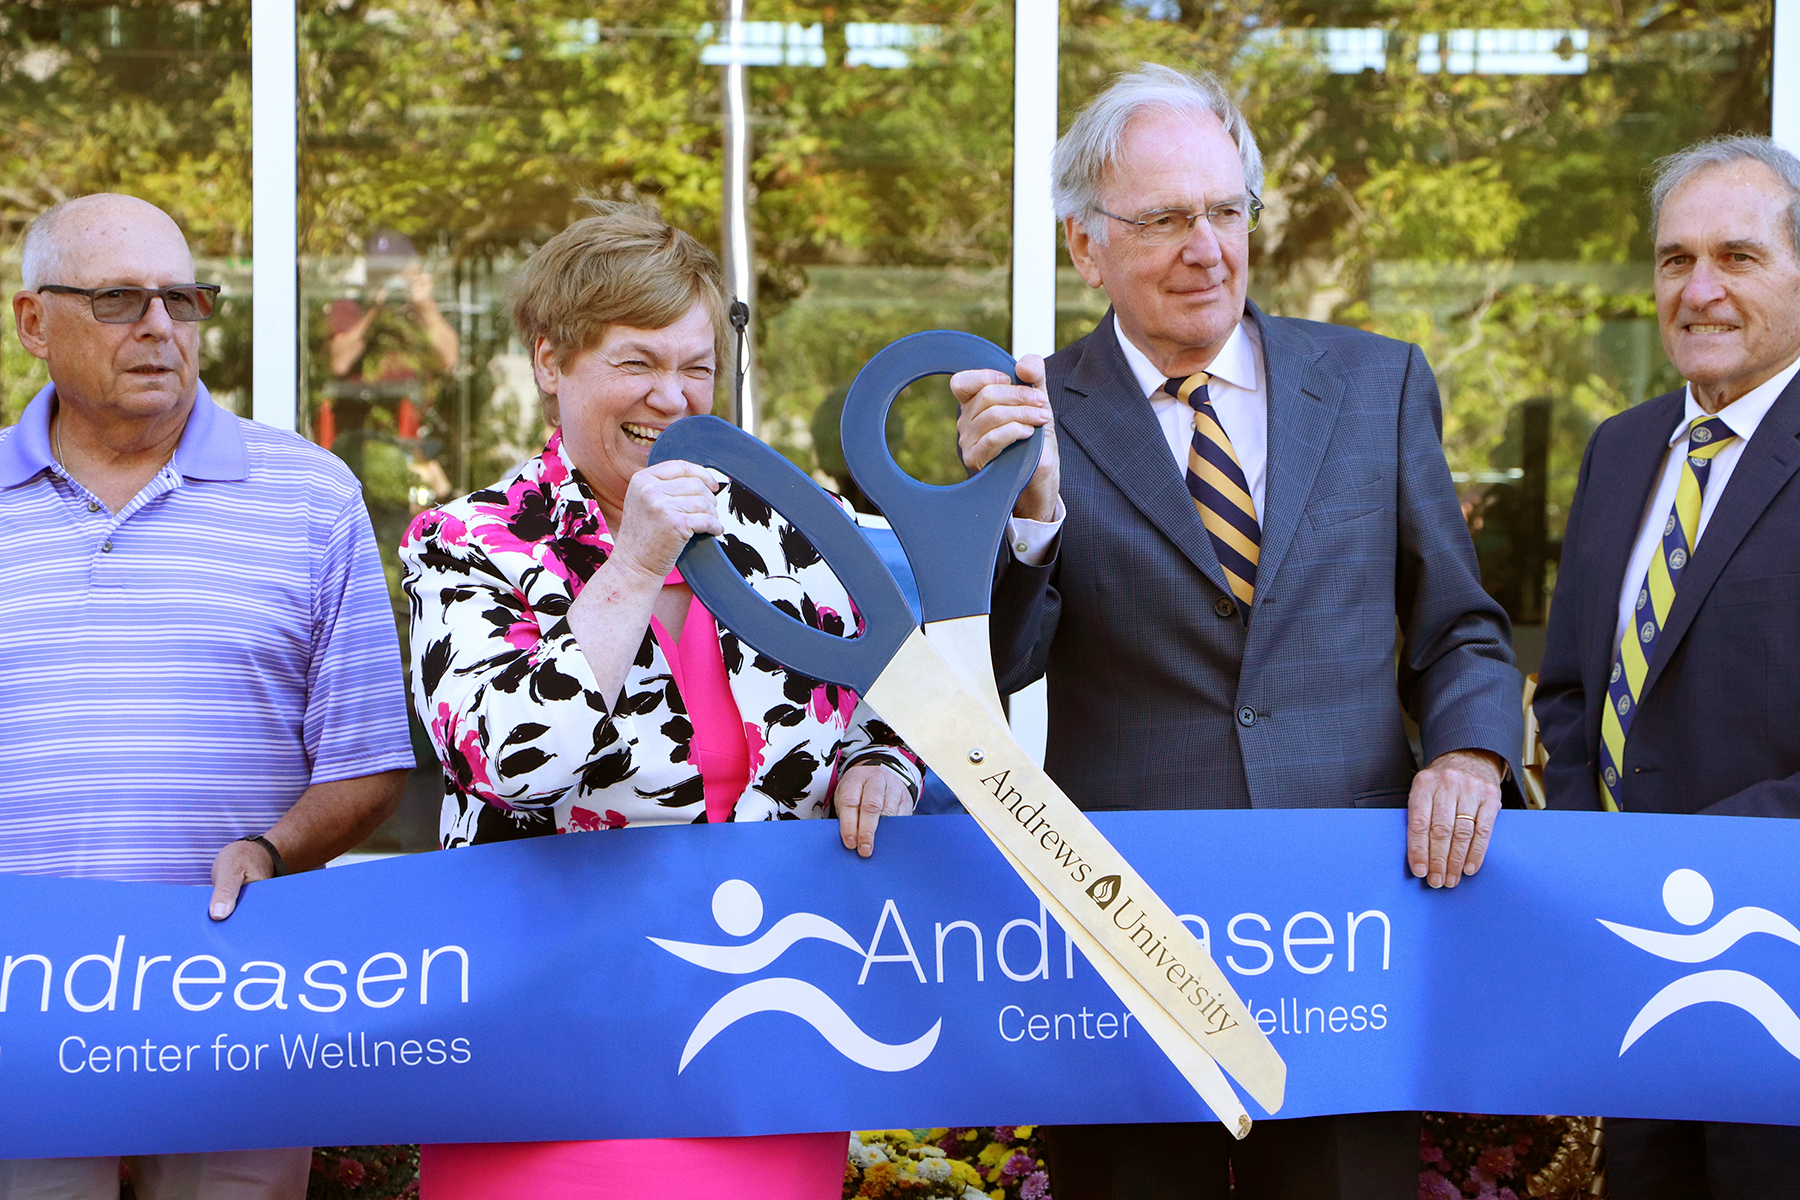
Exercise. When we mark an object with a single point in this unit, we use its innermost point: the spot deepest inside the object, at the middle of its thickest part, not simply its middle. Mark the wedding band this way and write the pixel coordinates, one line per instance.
(1465, 817)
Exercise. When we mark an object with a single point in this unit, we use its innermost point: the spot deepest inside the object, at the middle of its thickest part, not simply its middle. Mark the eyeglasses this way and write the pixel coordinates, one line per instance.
(127, 305)
(1166, 226)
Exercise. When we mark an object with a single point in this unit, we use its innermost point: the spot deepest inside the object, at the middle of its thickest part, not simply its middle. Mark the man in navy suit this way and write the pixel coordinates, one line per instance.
(1671, 676)
(1231, 515)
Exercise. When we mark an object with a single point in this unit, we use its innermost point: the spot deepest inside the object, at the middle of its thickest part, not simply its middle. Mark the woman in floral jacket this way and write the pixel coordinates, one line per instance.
(570, 680)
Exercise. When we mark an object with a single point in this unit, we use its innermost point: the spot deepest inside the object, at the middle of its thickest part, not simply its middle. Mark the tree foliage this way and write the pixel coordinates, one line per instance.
(1497, 219)
(147, 98)
(1492, 217)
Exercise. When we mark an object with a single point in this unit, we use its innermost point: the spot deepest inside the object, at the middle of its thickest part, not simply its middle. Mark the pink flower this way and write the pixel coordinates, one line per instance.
(1433, 1186)
(524, 633)
(448, 529)
(556, 470)
(1494, 1164)
(1035, 1187)
(463, 756)
(1006, 1133)
(1019, 1164)
(822, 710)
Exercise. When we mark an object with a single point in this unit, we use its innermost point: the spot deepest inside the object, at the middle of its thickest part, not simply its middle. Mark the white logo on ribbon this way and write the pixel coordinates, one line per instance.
(738, 908)
(1689, 898)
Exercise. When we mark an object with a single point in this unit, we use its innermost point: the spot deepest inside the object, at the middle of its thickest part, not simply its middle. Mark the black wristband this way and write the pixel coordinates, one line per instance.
(275, 859)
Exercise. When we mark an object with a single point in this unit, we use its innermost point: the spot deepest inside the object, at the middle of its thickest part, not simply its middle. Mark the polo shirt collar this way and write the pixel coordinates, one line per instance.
(211, 446)
(27, 451)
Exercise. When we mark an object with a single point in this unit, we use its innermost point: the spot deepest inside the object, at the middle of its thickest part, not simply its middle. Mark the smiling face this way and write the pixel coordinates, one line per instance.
(1176, 303)
(145, 372)
(1728, 281)
(618, 395)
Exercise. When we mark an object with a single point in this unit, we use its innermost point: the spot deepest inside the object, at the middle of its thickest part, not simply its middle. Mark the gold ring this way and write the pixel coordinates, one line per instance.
(1465, 817)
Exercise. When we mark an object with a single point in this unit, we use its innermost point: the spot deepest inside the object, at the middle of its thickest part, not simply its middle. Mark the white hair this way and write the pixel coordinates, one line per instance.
(1091, 146)
(40, 263)
(1678, 168)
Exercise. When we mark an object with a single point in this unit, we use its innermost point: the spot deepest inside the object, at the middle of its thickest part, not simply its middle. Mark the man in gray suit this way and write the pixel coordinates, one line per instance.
(1231, 513)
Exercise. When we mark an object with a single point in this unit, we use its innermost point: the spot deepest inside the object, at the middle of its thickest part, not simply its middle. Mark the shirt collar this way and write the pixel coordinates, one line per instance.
(27, 450)
(555, 468)
(211, 446)
(1234, 364)
(1742, 415)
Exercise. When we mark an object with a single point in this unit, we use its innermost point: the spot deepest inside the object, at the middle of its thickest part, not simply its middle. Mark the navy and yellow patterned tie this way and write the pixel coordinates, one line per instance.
(1681, 532)
(1216, 482)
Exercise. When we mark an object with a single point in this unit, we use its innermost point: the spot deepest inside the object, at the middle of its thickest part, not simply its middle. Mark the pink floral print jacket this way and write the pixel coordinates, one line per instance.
(528, 744)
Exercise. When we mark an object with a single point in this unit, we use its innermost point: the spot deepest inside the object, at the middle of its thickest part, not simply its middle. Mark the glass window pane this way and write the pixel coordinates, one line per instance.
(883, 207)
(152, 100)
(1444, 176)
(441, 143)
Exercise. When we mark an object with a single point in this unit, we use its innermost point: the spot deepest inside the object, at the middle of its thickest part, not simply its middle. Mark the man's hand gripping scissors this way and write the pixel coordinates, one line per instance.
(935, 686)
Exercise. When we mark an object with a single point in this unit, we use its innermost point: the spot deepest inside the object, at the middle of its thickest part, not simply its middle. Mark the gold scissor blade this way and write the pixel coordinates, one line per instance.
(1187, 1055)
(963, 643)
(923, 697)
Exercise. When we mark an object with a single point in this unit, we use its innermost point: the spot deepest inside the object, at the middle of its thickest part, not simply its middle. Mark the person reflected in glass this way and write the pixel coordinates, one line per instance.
(571, 681)
(384, 356)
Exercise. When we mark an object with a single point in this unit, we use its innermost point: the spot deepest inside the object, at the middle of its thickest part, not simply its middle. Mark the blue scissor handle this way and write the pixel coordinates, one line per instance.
(952, 533)
(887, 620)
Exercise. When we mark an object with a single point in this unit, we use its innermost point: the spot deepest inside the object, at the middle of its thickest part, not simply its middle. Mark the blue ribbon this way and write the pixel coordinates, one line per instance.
(758, 979)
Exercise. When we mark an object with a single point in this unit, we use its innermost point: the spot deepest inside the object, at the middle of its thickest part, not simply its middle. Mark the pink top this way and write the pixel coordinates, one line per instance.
(718, 746)
(796, 1166)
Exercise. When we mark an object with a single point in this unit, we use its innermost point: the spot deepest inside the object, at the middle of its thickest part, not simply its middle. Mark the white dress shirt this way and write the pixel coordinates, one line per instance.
(1240, 399)
(1743, 415)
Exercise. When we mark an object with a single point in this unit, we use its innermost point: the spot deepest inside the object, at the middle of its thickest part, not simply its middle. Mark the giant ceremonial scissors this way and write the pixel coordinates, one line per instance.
(935, 686)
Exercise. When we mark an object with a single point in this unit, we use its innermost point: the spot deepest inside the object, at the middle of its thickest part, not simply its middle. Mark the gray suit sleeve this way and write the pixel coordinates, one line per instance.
(1456, 672)
(1025, 612)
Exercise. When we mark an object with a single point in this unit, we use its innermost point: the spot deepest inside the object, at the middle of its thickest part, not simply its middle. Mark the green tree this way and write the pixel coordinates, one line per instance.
(146, 98)
(1497, 219)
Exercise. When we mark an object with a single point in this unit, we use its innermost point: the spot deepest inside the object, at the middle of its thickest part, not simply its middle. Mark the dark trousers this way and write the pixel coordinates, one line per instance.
(1701, 1160)
(1362, 1156)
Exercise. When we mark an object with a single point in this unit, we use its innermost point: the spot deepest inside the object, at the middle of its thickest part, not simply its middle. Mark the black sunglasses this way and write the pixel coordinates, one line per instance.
(127, 305)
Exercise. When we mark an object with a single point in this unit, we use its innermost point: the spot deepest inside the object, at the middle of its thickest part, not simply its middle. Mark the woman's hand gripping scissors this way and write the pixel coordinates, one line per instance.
(935, 686)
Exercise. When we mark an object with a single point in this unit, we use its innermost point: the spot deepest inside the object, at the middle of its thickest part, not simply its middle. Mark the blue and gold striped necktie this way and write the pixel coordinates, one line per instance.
(1681, 533)
(1216, 482)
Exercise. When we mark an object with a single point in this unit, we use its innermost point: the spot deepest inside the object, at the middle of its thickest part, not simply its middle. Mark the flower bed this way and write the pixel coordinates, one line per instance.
(1464, 1156)
(364, 1173)
(1001, 1163)
(1461, 1157)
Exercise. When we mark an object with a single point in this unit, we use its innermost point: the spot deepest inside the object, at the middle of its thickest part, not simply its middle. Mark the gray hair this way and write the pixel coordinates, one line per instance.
(1089, 149)
(1678, 168)
(39, 262)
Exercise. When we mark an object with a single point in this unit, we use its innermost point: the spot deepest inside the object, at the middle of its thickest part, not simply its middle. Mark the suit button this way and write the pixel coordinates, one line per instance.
(1246, 716)
(1224, 607)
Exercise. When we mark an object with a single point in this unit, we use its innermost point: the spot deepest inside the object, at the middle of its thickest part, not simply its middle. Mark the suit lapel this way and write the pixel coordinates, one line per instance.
(1303, 408)
(1768, 462)
(1102, 411)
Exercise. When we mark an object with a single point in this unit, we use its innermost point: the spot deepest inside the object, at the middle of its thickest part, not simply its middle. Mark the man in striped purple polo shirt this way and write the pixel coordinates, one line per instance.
(199, 675)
